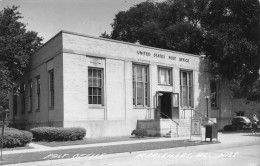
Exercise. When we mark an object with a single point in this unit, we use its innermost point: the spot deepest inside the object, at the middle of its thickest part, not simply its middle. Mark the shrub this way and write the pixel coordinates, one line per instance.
(16, 138)
(230, 128)
(10, 128)
(58, 134)
(139, 133)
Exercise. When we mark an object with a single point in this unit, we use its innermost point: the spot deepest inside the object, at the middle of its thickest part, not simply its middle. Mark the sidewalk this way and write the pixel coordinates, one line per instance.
(228, 139)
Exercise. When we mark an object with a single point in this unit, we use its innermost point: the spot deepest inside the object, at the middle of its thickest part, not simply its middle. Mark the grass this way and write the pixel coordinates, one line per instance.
(18, 148)
(92, 141)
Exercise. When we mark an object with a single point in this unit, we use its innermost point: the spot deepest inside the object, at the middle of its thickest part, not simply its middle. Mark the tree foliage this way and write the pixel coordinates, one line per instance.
(226, 31)
(16, 46)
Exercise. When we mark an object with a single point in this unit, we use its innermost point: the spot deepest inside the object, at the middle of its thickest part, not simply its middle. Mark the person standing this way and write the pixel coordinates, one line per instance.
(254, 124)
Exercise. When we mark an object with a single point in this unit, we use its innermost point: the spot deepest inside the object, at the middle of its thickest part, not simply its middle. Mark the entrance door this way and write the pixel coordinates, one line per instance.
(168, 105)
(165, 105)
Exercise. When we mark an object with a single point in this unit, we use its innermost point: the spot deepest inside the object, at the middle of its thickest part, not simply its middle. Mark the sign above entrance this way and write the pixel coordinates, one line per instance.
(165, 88)
(162, 56)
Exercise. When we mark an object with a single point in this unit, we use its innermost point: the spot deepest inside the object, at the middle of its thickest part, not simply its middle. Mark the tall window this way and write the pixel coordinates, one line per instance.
(213, 94)
(38, 92)
(22, 94)
(51, 88)
(140, 85)
(95, 86)
(164, 76)
(30, 95)
(186, 89)
(15, 104)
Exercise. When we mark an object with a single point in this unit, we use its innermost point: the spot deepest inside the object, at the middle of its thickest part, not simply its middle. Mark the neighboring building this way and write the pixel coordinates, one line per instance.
(111, 87)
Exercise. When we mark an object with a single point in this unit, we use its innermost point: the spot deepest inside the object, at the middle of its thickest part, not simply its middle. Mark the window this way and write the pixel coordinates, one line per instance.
(30, 96)
(15, 105)
(51, 88)
(22, 94)
(240, 113)
(38, 92)
(95, 86)
(186, 89)
(213, 94)
(164, 76)
(140, 85)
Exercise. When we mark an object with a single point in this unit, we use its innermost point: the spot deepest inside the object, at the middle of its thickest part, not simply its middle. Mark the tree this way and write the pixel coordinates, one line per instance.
(226, 31)
(163, 25)
(16, 46)
(231, 41)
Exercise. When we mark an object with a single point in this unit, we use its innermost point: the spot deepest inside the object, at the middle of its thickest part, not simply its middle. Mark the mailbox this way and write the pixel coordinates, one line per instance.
(211, 131)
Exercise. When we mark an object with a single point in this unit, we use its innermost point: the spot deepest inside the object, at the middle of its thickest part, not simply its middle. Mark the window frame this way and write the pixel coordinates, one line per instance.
(101, 87)
(51, 89)
(15, 104)
(214, 94)
(22, 94)
(159, 75)
(30, 98)
(145, 85)
(189, 88)
(38, 91)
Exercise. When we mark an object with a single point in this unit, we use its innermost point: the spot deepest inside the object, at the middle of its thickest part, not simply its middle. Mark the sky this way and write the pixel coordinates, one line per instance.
(48, 17)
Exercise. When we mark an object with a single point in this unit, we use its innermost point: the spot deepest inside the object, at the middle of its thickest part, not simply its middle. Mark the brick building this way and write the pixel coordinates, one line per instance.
(111, 87)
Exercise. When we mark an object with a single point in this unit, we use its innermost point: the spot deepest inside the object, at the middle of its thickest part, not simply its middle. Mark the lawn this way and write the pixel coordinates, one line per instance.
(92, 141)
(17, 148)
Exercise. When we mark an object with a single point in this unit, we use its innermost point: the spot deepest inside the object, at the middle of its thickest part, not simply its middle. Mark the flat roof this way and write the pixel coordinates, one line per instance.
(116, 41)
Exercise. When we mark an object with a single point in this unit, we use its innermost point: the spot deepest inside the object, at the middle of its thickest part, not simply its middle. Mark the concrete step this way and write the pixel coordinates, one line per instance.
(170, 135)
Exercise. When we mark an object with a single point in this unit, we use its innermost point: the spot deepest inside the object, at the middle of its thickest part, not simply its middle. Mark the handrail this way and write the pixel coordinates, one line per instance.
(205, 117)
(170, 119)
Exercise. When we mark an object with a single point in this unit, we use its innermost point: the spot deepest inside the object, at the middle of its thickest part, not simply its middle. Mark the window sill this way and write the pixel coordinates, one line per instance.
(187, 108)
(96, 107)
(51, 108)
(141, 107)
(164, 84)
(214, 108)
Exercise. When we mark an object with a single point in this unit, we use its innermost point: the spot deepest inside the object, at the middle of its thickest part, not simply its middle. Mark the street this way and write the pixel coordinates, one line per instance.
(246, 155)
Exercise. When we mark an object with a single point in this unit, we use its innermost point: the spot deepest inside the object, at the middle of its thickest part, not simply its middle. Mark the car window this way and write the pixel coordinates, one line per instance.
(246, 119)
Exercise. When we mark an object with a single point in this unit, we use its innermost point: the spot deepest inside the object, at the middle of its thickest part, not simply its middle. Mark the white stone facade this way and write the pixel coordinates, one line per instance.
(70, 55)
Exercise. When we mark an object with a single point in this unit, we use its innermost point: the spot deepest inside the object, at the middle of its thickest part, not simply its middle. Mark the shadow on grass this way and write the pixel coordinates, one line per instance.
(253, 135)
(17, 148)
(237, 131)
(92, 141)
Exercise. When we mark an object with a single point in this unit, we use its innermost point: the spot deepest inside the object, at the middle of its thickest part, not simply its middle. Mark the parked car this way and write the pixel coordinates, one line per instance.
(241, 122)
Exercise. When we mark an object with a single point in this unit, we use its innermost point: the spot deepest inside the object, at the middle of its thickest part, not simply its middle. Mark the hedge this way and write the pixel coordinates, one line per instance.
(230, 128)
(58, 134)
(16, 138)
(139, 133)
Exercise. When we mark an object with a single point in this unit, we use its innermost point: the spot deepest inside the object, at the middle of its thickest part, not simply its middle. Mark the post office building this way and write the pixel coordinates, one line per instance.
(111, 87)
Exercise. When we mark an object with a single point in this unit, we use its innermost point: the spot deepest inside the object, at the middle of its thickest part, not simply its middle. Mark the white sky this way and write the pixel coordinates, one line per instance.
(48, 17)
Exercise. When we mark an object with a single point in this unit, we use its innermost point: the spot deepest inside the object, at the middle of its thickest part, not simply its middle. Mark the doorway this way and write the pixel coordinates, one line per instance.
(165, 105)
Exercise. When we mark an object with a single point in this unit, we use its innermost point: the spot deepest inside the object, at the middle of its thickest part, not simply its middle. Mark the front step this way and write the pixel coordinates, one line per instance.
(170, 135)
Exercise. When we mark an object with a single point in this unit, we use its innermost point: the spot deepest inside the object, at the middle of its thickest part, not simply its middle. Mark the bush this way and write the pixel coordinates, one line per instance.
(139, 133)
(230, 128)
(16, 138)
(10, 128)
(58, 134)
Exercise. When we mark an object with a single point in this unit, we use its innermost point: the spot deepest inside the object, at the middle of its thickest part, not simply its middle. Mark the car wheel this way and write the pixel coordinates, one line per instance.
(240, 126)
